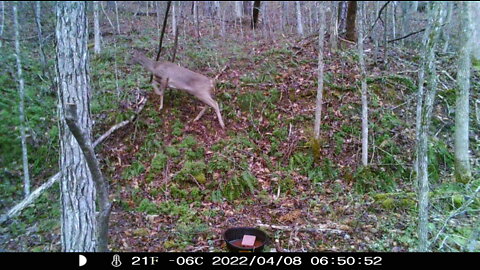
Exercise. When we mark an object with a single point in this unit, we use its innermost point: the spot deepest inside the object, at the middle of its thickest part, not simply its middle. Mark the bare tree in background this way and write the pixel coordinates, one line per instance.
(38, 15)
(2, 21)
(463, 172)
(76, 183)
(363, 75)
(21, 106)
(238, 10)
(96, 27)
(426, 98)
(299, 18)
(351, 18)
(319, 100)
(255, 13)
(333, 26)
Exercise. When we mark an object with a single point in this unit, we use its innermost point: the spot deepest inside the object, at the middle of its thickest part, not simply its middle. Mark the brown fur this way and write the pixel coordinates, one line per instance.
(167, 74)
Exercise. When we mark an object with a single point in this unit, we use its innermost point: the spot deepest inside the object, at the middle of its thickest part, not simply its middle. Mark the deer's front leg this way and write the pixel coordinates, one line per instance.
(159, 90)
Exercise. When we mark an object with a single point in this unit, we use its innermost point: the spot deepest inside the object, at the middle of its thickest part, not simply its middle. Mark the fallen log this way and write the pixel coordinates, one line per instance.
(17, 209)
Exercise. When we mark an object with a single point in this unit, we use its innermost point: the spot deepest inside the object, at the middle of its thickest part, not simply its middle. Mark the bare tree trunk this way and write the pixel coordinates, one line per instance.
(363, 75)
(394, 18)
(463, 172)
(445, 34)
(21, 91)
(174, 19)
(342, 16)
(101, 185)
(385, 37)
(96, 26)
(76, 183)
(195, 19)
(2, 21)
(238, 10)
(333, 26)
(299, 18)
(319, 100)
(255, 14)
(376, 36)
(351, 18)
(284, 16)
(116, 17)
(38, 14)
(426, 100)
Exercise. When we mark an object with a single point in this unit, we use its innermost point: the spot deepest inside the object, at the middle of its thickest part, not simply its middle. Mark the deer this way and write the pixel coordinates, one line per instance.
(168, 74)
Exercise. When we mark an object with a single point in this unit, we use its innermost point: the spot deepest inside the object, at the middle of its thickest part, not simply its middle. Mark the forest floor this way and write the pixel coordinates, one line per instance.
(177, 185)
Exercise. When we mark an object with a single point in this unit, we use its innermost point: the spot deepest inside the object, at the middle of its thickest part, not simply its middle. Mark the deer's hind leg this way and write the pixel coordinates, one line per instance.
(212, 103)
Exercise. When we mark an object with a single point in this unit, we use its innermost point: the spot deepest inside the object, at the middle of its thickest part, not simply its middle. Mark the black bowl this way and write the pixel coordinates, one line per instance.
(233, 235)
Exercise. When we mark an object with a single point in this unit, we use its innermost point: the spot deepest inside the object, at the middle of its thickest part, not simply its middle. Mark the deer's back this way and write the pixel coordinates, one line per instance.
(182, 78)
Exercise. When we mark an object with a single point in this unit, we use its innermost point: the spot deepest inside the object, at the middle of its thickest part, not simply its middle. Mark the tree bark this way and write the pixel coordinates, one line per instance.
(116, 17)
(342, 14)
(333, 26)
(76, 183)
(363, 75)
(38, 15)
(385, 38)
(2, 20)
(426, 100)
(101, 184)
(174, 20)
(238, 10)
(255, 14)
(299, 18)
(21, 106)
(351, 18)
(445, 34)
(96, 26)
(319, 100)
(463, 172)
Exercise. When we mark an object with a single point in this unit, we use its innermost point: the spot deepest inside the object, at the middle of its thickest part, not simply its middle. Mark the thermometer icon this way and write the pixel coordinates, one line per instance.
(116, 261)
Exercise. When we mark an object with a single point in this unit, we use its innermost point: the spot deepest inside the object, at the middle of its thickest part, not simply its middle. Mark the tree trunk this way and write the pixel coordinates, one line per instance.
(284, 15)
(101, 185)
(2, 20)
(38, 15)
(255, 14)
(21, 91)
(463, 172)
(385, 38)
(96, 26)
(351, 18)
(319, 100)
(195, 18)
(299, 18)
(342, 16)
(426, 101)
(445, 34)
(238, 10)
(116, 17)
(376, 36)
(174, 20)
(363, 75)
(76, 184)
(333, 26)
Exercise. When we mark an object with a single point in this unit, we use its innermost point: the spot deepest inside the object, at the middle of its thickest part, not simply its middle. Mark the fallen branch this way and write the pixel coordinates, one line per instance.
(318, 229)
(406, 36)
(14, 211)
(101, 185)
